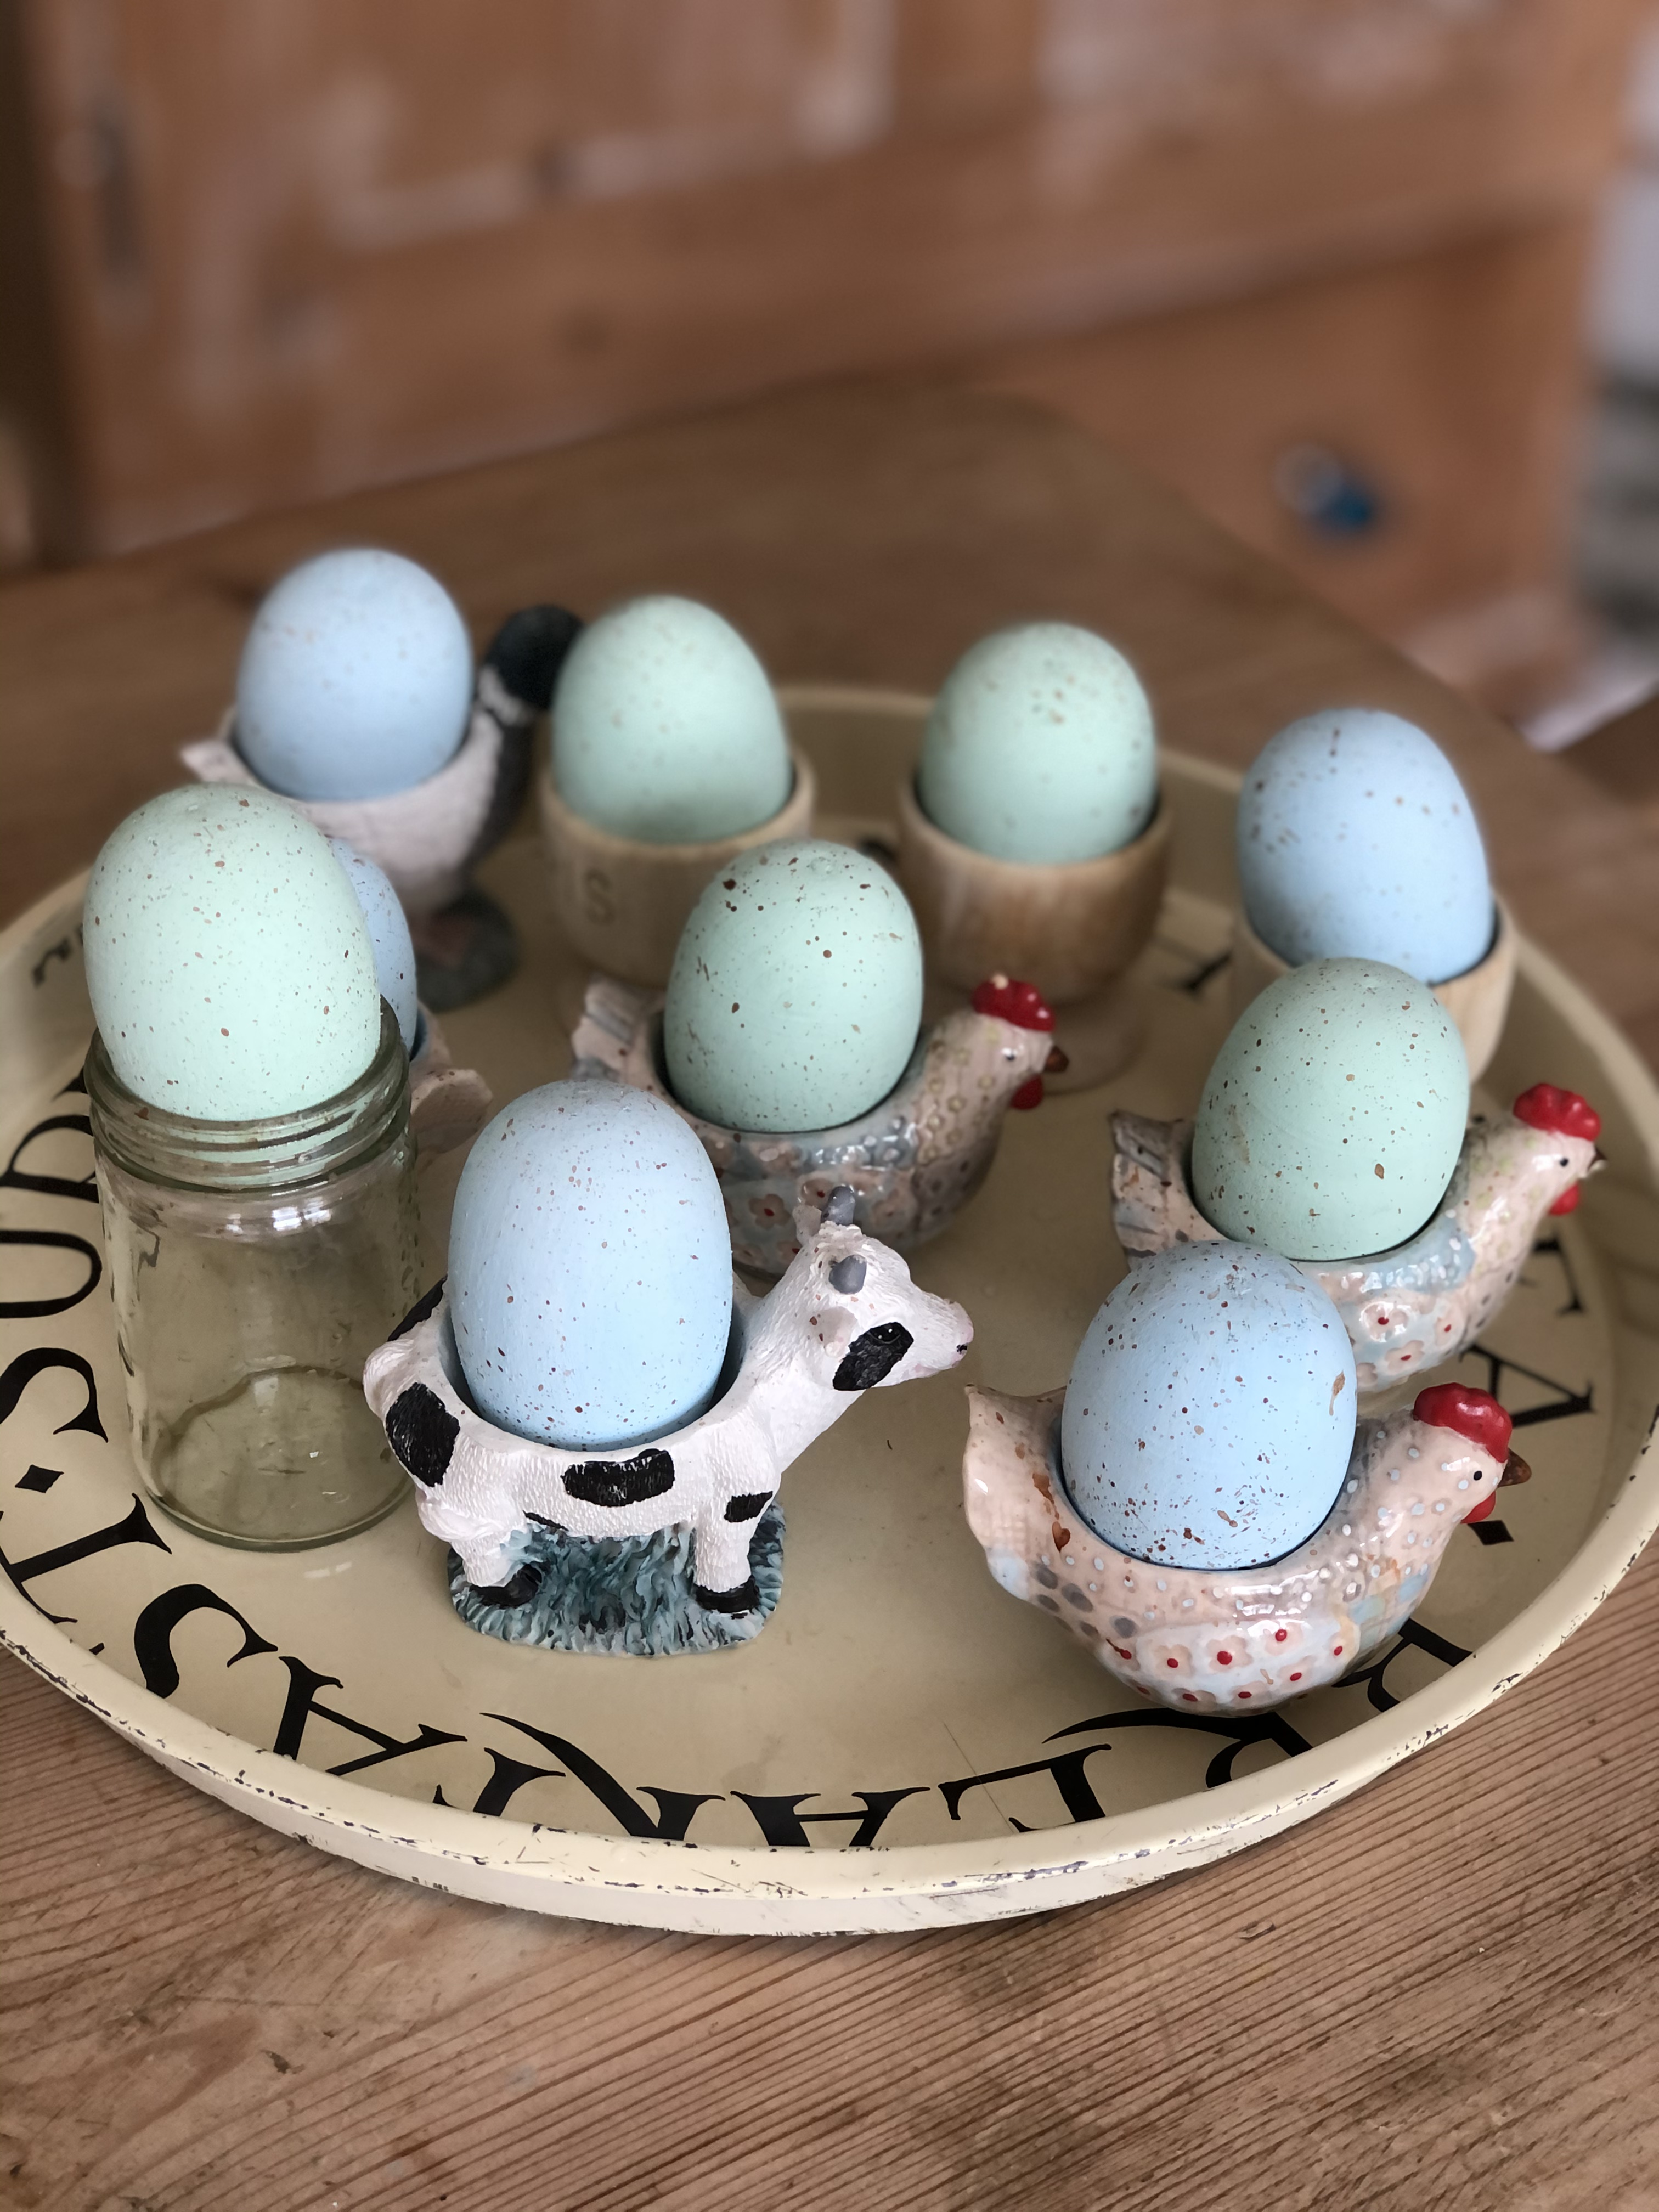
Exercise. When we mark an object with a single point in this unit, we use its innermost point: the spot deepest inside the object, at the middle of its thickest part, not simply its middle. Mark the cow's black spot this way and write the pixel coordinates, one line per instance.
(749, 1506)
(518, 1591)
(873, 1355)
(417, 1314)
(528, 651)
(421, 1430)
(743, 1599)
(620, 1482)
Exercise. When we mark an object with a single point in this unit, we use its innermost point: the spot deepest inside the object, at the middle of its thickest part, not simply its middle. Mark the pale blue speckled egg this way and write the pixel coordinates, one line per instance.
(665, 728)
(229, 966)
(1040, 748)
(795, 996)
(1335, 1113)
(1356, 839)
(590, 1268)
(388, 932)
(1210, 1415)
(356, 678)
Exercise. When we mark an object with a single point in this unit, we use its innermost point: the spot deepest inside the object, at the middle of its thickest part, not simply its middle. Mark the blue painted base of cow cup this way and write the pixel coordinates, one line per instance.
(625, 1596)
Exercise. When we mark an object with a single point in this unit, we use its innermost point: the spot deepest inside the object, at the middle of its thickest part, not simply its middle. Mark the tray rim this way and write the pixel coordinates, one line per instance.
(766, 1889)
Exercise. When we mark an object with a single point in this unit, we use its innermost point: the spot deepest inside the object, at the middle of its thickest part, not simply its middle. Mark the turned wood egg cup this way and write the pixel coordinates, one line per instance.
(1478, 1000)
(1074, 927)
(622, 902)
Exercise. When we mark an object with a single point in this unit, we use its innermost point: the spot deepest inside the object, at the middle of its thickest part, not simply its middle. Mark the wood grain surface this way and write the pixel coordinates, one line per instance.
(1441, 1994)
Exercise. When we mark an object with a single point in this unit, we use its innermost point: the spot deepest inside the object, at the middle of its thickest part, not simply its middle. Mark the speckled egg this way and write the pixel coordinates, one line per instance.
(665, 727)
(227, 960)
(1356, 839)
(1210, 1415)
(356, 678)
(1040, 748)
(388, 932)
(795, 996)
(1335, 1113)
(590, 1268)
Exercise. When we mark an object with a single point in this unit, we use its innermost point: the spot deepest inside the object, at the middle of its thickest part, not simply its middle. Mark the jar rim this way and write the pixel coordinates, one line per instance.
(295, 1150)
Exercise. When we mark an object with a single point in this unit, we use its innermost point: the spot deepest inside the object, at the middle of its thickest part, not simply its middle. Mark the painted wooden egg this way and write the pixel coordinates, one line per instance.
(665, 728)
(229, 966)
(1210, 1414)
(1335, 1113)
(356, 678)
(795, 996)
(1040, 748)
(1356, 839)
(590, 1268)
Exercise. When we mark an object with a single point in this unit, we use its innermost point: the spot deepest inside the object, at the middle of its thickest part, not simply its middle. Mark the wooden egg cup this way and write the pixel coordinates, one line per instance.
(1073, 928)
(622, 902)
(1478, 1000)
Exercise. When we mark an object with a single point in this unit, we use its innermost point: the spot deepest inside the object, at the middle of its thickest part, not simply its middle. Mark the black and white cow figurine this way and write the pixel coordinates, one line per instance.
(844, 1319)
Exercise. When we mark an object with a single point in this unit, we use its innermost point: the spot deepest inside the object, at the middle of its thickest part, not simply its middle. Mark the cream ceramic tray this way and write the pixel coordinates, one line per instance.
(905, 1745)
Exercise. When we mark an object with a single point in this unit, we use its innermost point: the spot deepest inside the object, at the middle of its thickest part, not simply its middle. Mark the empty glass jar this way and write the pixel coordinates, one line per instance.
(254, 1266)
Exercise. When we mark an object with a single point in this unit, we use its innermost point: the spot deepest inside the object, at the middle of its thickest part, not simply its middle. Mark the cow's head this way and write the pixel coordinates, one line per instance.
(866, 1322)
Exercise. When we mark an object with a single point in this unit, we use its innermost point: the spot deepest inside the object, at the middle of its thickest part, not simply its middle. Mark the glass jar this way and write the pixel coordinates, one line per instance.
(255, 1265)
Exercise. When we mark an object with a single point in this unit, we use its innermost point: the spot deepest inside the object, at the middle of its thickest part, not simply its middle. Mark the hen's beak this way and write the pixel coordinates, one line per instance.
(1516, 1469)
(1057, 1063)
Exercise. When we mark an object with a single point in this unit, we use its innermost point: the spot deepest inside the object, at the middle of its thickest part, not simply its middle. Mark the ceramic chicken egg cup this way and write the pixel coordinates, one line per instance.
(622, 902)
(675, 1545)
(1411, 1309)
(447, 1105)
(1478, 1000)
(429, 838)
(1212, 1640)
(1074, 927)
(910, 1161)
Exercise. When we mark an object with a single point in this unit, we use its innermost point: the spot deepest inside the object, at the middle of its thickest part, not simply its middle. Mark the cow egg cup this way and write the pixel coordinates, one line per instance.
(910, 1161)
(673, 1545)
(429, 838)
(1478, 1000)
(622, 902)
(1075, 928)
(1206, 1640)
(1411, 1309)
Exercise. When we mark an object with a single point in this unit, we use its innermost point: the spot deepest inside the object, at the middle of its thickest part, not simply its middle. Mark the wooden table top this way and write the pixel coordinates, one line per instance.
(1441, 1993)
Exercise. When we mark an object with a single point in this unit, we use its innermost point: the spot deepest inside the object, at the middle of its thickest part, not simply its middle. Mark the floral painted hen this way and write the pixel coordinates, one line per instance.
(1411, 1309)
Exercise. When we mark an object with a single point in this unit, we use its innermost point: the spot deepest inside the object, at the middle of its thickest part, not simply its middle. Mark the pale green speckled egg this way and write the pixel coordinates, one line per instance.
(795, 997)
(665, 728)
(227, 960)
(1040, 748)
(1335, 1113)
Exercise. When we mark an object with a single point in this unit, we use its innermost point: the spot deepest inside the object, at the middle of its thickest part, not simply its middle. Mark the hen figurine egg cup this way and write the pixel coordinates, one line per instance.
(1074, 927)
(1478, 1000)
(428, 838)
(622, 902)
(675, 1545)
(910, 1161)
(1411, 1309)
(1207, 1640)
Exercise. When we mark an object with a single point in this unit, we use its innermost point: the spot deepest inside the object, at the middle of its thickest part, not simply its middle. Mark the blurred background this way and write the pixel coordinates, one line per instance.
(1375, 282)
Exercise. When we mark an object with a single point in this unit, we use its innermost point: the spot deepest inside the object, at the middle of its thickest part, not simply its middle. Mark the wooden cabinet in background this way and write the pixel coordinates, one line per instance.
(258, 251)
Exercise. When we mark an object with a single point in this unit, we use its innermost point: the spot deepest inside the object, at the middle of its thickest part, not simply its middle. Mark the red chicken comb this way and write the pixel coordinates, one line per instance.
(1475, 1414)
(1562, 1113)
(1022, 1004)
